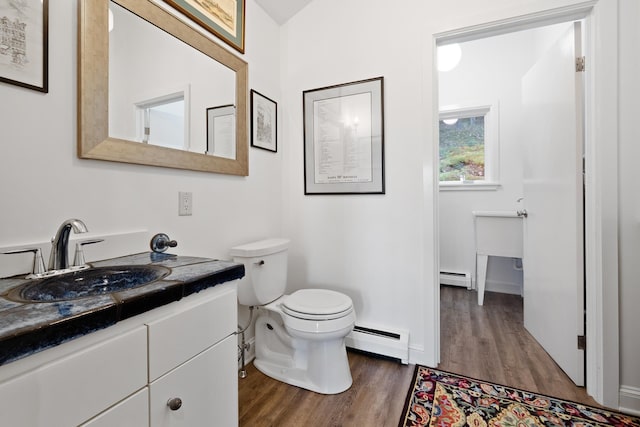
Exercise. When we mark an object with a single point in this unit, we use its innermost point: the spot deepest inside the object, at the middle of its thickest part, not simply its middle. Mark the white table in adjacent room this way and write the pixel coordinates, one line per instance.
(498, 233)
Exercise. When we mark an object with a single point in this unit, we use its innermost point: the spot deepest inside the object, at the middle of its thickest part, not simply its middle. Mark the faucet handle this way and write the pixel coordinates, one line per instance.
(38, 262)
(78, 259)
(161, 242)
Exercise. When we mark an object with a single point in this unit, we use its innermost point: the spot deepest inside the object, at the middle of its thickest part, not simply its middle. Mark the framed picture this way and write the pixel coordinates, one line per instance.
(221, 131)
(24, 44)
(264, 122)
(224, 18)
(344, 138)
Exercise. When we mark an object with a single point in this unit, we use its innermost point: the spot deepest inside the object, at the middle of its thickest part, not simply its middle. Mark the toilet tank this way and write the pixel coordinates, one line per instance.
(265, 264)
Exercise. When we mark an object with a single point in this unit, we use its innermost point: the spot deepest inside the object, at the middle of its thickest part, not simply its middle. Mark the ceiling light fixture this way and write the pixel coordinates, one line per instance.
(449, 56)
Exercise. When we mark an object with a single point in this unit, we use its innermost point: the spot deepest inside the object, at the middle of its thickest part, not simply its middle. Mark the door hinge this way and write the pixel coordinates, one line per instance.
(580, 64)
(582, 342)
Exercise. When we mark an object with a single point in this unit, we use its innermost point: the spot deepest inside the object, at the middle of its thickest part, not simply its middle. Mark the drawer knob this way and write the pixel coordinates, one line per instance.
(174, 404)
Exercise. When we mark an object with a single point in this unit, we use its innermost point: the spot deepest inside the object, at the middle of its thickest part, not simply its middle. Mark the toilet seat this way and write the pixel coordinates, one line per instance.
(317, 304)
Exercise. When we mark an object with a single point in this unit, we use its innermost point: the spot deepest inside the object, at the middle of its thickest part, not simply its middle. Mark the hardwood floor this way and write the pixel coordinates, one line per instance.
(375, 399)
(487, 342)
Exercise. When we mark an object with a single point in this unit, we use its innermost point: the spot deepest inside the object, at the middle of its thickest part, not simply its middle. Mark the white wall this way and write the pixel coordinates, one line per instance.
(381, 249)
(490, 72)
(367, 246)
(43, 182)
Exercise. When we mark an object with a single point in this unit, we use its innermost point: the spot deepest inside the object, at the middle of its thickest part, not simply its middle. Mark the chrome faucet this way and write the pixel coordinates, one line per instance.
(59, 258)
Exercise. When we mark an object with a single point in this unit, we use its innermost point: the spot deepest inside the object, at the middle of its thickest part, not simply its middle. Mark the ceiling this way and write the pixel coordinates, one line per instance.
(282, 10)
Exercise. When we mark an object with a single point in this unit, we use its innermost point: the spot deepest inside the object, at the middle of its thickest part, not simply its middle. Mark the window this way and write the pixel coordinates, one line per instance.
(162, 119)
(468, 148)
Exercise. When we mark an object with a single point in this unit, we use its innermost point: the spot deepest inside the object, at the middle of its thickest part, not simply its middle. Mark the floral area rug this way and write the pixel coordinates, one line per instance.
(441, 399)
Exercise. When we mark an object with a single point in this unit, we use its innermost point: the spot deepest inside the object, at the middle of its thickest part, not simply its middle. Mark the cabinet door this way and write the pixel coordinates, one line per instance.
(132, 412)
(72, 389)
(191, 327)
(207, 386)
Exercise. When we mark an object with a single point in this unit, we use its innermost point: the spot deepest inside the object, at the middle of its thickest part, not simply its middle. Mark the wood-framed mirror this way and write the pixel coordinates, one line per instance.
(96, 136)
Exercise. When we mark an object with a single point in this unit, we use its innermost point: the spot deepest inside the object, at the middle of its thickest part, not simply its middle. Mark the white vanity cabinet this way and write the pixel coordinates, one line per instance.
(203, 385)
(125, 375)
(186, 367)
(67, 390)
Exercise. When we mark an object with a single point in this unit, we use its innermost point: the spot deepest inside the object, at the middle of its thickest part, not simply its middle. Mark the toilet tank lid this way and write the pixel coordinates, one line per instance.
(260, 248)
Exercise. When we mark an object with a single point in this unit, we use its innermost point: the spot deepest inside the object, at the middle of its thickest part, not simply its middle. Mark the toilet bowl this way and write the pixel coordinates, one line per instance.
(299, 338)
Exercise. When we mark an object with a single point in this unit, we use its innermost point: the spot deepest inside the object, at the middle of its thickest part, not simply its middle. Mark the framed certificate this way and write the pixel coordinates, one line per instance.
(344, 138)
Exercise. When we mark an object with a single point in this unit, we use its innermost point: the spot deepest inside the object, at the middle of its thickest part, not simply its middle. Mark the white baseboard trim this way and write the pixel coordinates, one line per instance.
(503, 287)
(389, 343)
(630, 400)
(418, 356)
(456, 279)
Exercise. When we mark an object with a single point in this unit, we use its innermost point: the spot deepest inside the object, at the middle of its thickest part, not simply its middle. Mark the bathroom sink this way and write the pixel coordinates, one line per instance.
(88, 282)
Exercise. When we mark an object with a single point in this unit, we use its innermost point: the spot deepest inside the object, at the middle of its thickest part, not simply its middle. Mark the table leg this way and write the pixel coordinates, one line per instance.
(481, 261)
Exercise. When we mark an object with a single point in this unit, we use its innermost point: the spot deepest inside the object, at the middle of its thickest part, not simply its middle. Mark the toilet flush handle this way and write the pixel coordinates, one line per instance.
(261, 262)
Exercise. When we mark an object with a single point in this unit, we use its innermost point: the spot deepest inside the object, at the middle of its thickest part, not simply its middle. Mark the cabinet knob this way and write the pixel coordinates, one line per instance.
(174, 404)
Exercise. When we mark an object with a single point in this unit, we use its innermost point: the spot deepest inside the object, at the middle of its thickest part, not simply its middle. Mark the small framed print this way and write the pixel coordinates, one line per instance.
(264, 122)
(24, 43)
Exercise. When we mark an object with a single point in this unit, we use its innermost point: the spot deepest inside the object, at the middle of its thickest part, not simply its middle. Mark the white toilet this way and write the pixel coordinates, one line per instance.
(300, 338)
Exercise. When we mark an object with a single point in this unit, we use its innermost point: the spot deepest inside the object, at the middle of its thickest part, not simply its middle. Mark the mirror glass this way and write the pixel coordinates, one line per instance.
(155, 91)
(160, 90)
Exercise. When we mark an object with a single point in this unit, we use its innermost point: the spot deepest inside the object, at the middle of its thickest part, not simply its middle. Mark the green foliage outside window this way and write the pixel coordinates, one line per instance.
(462, 149)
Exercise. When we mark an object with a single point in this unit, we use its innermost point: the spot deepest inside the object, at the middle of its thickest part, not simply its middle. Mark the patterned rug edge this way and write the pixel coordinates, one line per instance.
(414, 379)
(409, 397)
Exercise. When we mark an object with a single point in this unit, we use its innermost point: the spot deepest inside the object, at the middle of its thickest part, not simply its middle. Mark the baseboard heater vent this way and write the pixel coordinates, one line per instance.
(455, 279)
(389, 344)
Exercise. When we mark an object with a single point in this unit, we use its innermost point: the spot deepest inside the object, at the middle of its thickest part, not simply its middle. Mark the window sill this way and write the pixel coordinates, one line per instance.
(469, 186)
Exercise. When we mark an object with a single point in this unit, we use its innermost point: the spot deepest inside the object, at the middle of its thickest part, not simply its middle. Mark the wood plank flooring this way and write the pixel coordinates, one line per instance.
(487, 342)
(375, 399)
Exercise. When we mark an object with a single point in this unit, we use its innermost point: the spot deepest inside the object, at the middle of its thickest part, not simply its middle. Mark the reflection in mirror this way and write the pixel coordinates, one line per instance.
(221, 123)
(152, 75)
(167, 118)
(145, 91)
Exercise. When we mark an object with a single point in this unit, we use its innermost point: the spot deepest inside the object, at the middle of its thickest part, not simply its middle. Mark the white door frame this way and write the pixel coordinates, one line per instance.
(601, 155)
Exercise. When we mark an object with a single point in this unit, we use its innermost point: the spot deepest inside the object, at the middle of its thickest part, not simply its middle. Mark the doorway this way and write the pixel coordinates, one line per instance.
(594, 253)
(601, 210)
(485, 108)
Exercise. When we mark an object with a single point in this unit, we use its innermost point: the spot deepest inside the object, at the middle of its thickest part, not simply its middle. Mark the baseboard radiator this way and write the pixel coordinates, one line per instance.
(455, 279)
(385, 343)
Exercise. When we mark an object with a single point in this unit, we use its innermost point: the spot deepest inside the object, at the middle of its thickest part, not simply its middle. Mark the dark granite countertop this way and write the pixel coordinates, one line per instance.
(29, 327)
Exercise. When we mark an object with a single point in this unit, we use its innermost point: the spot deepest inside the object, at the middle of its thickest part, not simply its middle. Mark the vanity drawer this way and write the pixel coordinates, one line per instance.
(207, 387)
(191, 327)
(131, 412)
(74, 388)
